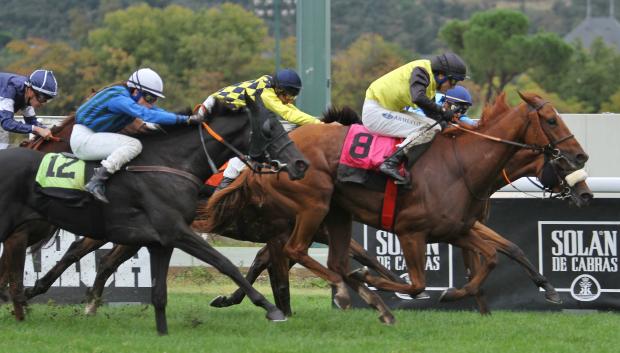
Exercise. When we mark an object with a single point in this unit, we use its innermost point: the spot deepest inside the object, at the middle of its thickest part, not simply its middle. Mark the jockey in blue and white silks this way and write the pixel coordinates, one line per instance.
(457, 99)
(95, 135)
(24, 93)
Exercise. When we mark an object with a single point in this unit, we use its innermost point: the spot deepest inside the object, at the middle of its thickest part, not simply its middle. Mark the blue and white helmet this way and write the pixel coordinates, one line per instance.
(147, 80)
(459, 94)
(43, 81)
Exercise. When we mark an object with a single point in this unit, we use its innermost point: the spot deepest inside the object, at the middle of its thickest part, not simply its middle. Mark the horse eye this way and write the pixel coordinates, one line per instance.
(552, 121)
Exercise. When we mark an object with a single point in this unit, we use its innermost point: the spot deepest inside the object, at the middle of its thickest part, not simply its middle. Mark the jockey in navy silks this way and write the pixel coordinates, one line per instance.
(413, 84)
(25, 93)
(97, 123)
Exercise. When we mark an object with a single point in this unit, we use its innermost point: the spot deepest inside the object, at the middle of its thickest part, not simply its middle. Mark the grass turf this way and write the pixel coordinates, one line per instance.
(315, 327)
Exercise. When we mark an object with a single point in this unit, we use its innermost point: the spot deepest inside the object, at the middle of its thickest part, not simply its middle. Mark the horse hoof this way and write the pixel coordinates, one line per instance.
(387, 319)
(220, 302)
(447, 295)
(553, 297)
(422, 296)
(90, 309)
(276, 316)
(359, 273)
(342, 303)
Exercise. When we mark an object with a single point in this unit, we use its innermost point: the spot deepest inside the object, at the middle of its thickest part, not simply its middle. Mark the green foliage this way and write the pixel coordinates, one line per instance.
(525, 84)
(355, 68)
(497, 47)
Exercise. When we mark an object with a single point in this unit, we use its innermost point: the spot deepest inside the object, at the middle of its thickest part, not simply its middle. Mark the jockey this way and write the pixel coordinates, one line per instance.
(413, 83)
(25, 94)
(97, 122)
(277, 94)
(457, 99)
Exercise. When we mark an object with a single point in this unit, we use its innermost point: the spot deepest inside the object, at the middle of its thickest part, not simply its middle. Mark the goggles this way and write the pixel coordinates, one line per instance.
(41, 97)
(149, 97)
(459, 108)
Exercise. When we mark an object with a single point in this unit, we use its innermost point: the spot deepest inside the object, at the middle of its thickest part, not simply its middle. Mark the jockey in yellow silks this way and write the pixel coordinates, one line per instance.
(413, 84)
(277, 94)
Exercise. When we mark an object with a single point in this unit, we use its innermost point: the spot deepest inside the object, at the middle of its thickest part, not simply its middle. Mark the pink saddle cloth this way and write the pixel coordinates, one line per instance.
(363, 149)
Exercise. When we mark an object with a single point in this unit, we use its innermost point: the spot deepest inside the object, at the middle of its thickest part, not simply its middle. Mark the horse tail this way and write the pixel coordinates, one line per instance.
(222, 206)
(39, 245)
(345, 116)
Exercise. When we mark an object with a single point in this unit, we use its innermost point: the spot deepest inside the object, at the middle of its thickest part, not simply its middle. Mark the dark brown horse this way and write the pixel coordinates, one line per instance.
(445, 201)
(163, 212)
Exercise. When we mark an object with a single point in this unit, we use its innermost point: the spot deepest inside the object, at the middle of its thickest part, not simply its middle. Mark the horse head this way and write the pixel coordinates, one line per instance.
(270, 143)
(564, 158)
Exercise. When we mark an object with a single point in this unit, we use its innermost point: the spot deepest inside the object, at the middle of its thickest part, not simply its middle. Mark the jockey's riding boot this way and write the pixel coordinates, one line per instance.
(390, 166)
(96, 184)
(224, 183)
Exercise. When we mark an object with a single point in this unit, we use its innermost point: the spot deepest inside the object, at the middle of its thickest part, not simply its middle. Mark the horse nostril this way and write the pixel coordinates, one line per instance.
(301, 165)
(582, 158)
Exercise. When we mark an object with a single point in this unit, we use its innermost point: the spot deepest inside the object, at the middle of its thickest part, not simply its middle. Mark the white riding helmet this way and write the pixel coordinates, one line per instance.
(147, 80)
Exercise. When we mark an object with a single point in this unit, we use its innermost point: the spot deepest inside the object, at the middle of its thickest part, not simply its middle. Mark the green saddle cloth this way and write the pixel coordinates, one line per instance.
(61, 171)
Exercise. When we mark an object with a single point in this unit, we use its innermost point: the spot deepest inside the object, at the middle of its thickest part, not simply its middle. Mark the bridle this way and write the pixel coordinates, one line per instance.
(272, 166)
(550, 150)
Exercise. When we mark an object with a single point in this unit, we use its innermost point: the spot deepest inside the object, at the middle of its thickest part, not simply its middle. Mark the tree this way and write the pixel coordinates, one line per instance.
(353, 69)
(497, 47)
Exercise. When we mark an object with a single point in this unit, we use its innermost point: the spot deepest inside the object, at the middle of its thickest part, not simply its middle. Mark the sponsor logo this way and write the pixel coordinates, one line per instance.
(580, 257)
(585, 288)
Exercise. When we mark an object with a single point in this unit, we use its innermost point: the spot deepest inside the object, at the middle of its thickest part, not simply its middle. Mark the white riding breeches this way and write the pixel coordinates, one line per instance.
(386, 122)
(113, 149)
(234, 168)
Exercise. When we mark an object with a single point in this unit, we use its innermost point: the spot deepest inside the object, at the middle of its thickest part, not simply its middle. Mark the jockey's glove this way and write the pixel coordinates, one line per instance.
(195, 119)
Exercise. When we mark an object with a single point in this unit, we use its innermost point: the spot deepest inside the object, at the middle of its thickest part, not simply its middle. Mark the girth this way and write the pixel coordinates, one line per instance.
(163, 169)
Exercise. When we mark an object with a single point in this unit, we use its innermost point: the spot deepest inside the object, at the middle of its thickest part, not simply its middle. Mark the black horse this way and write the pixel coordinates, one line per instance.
(154, 206)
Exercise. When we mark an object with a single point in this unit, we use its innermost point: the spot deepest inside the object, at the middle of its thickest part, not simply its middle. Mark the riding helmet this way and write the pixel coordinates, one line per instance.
(147, 80)
(43, 81)
(451, 65)
(287, 80)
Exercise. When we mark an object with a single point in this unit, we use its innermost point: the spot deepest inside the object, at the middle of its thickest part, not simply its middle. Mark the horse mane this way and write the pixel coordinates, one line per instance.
(491, 111)
(345, 116)
(221, 108)
(219, 210)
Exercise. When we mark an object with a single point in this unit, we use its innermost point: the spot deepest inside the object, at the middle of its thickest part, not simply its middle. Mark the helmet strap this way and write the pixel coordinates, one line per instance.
(441, 81)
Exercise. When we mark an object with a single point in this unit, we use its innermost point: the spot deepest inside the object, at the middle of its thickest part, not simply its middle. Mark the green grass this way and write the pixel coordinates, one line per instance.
(315, 327)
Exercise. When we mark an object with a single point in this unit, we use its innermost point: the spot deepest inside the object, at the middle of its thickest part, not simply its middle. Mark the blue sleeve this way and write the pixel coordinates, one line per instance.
(8, 123)
(32, 120)
(126, 105)
(465, 119)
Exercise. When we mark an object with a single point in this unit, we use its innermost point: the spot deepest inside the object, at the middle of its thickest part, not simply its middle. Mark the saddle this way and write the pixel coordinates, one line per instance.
(362, 154)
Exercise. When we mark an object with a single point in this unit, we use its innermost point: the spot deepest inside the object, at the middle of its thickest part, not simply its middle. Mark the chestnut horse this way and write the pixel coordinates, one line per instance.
(446, 198)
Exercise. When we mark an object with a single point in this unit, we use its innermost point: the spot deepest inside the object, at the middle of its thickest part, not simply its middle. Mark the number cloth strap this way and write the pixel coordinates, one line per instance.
(59, 171)
(389, 204)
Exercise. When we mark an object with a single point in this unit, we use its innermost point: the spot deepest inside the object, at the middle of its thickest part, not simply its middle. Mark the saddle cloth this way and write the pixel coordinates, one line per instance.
(63, 176)
(362, 154)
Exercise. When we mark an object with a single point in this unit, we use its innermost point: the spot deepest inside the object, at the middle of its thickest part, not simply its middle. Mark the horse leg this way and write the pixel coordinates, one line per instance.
(370, 262)
(472, 265)
(296, 248)
(15, 249)
(338, 223)
(515, 253)
(414, 251)
(76, 251)
(279, 266)
(107, 266)
(199, 248)
(4, 277)
(160, 262)
(259, 264)
(473, 242)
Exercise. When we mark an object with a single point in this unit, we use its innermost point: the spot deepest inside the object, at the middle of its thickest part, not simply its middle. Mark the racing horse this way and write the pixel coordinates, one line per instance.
(446, 198)
(160, 195)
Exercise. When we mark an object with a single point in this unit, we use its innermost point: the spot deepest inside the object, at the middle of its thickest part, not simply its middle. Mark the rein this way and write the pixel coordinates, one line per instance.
(549, 149)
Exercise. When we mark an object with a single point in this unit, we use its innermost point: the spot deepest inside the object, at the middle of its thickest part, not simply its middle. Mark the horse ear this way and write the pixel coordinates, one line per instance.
(526, 97)
(249, 102)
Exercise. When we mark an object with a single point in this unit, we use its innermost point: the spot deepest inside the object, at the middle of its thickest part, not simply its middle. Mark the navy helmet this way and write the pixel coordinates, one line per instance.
(287, 80)
(459, 94)
(450, 65)
(43, 81)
